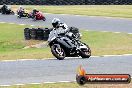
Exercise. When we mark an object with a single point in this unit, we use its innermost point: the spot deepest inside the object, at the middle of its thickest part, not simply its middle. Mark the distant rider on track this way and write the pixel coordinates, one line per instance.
(4, 9)
(20, 10)
(34, 12)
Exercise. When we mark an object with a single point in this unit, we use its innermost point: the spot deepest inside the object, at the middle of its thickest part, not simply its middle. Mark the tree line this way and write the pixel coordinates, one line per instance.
(66, 2)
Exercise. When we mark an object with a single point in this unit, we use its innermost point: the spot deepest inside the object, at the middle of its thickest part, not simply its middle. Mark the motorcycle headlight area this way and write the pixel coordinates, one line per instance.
(80, 34)
(70, 34)
(83, 47)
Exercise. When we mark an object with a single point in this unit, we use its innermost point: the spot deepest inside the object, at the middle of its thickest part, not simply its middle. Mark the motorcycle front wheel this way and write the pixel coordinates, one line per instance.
(58, 51)
(34, 18)
(12, 13)
(85, 53)
(19, 16)
(44, 19)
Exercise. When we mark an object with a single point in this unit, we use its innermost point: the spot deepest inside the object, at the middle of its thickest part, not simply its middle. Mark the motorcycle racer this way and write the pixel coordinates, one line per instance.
(64, 43)
(58, 28)
(34, 12)
(20, 10)
(4, 8)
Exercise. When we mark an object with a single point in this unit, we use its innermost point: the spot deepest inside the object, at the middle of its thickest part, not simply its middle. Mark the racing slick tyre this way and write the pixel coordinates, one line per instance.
(27, 34)
(29, 16)
(27, 37)
(12, 13)
(19, 16)
(33, 34)
(58, 51)
(34, 18)
(44, 19)
(40, 34)
(46, 33)
(85, 53)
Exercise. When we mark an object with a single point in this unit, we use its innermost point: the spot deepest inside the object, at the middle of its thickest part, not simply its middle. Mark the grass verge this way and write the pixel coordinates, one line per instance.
(12, 43)
(89, 10)
(73, 85)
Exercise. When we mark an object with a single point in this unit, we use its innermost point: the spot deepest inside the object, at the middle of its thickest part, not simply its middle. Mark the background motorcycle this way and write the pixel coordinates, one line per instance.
(69, 45)
(39, 16)
(7, 11)
(22, 14)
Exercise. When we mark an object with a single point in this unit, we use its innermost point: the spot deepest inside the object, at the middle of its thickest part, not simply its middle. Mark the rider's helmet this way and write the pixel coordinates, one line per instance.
(55, 22)
(34, 10)
(20, 7)
(4, 5)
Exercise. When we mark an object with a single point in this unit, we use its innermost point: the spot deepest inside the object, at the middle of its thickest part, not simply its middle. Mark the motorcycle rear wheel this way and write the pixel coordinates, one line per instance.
(19, 16)
(58, 51)
(12, 13)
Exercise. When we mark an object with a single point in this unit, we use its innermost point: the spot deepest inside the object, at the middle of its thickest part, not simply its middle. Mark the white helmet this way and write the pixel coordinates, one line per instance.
(55, 22)
(20, 7)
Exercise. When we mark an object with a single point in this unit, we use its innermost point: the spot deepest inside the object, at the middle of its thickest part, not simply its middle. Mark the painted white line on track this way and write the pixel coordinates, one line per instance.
(127, 54)
(90, 16)
(19, 84)
(117, 32)
(49, 82)
(11, 23)
(26, 59)
(107, 17)
(108, 31)
(22, 24)
(5, 85)
(95, 56)
(66, 58)
(111, 55)
(65, 81)
(104, 31)
(8, 60)
(129, 33)
(35, 83)
(71, 14)
(39, 83)
(116, 55)
(2, 22)
(66, 14)
(32, 25)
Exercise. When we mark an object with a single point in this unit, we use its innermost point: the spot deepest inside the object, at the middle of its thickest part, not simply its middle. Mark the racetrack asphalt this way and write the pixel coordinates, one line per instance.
(82, 22)
(39, 71)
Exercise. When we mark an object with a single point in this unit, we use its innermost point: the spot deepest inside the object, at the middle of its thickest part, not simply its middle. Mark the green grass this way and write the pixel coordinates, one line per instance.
(73, 85)
(89, 10)
(12, 43)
